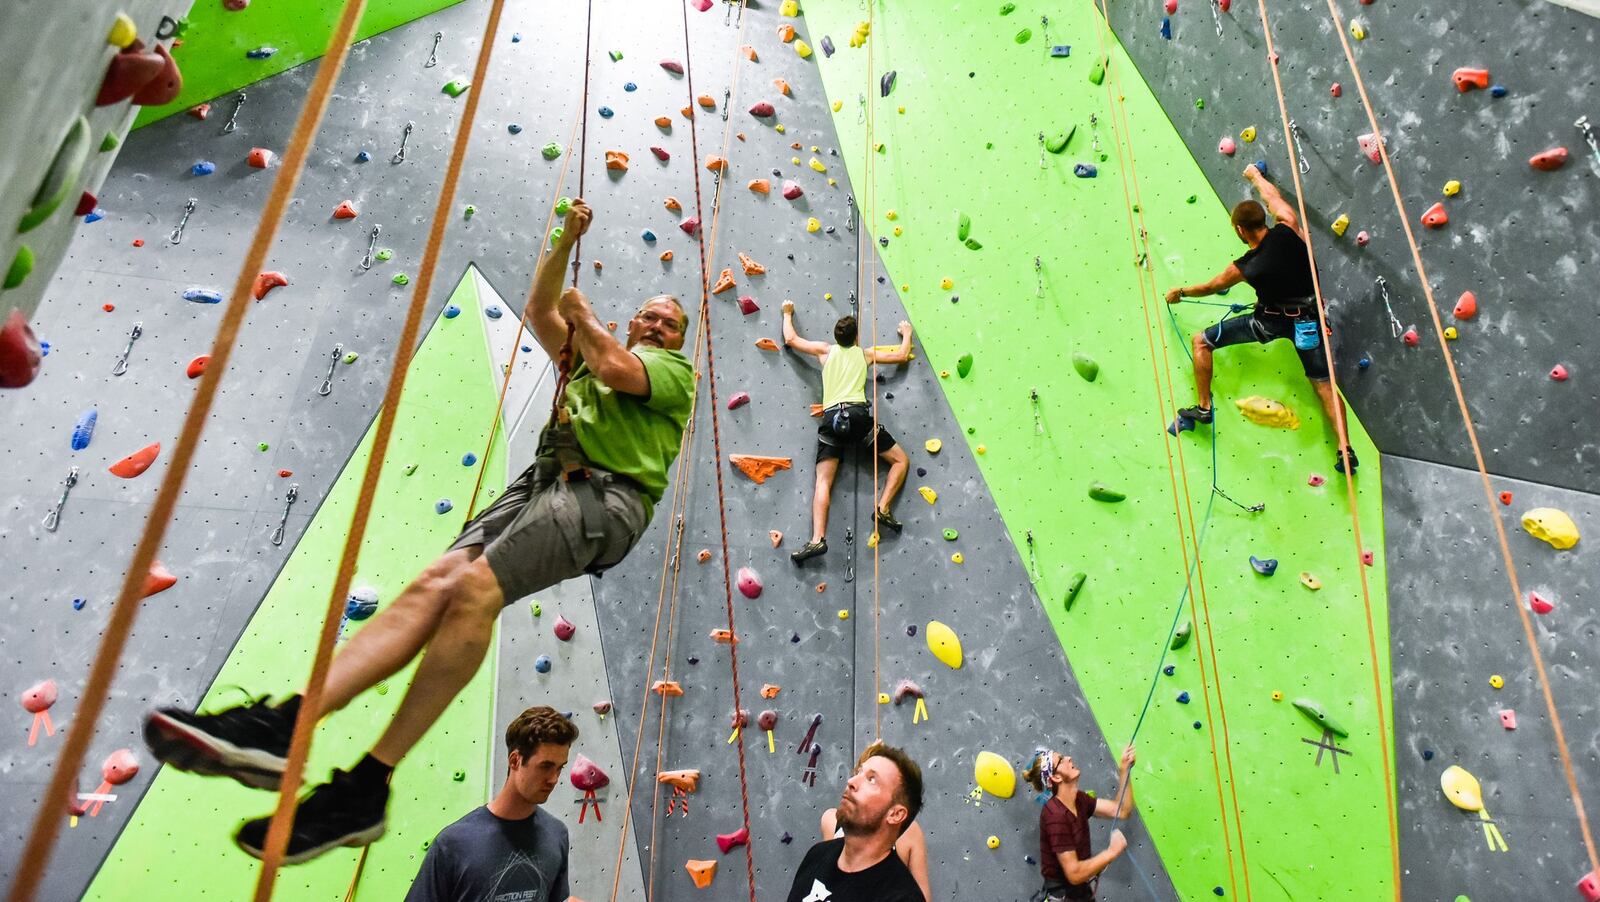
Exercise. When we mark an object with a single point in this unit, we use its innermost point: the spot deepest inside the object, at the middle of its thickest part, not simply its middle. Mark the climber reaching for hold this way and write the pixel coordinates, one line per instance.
(847, 424)
(1278, 267)
(1066, 857)
(579, 508)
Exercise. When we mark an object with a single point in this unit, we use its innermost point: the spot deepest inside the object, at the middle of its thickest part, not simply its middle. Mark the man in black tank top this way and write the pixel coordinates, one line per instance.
(1278, 267)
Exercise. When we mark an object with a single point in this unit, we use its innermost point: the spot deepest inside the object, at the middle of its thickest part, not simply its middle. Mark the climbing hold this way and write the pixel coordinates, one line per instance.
(551, 151)
(727, 842)
(964, 365)
(514, 128)
(1371, 146)
(442, 506)
(203, 296)
(616, 161)
(363, 157)
(933, 445)
(606, 112)
(1362, 237)
(717, 164)
(1544, 523)
(541, 664)
(1085, 170)
(1461, 788)
(928, 495)
(1367, 558)
(951, 535)
(1314, 480)
(1340, 224)
(812, 225)
(775, 536)
(817, 165)
(802, 49)
(1267, 412)
(1539, 604)
(1508, 719)
(1227, 146)
(266, 51)
(1452, 188)
(994, 775)
(689, 226)
(724, 282)
(345, 210)
(1549, 160)
(1467, 306)
(1264, 566)
(1411, 338)
(1180, 636)
(944, 643)
(762, 110)
(1505, 498)
(137, 462)
(1466, 79)
(1450, 333)
(792, 190)
(963, 226)
(749, 583)
(760, 186)
(1496, 681)
(738, 400)
(750, 266)
(701, 871)
(158, 579)
(83, 430)
(259, 157)
(197, 366)
(766, 344)
(564, 628)
(1074, 586)
(1097, 75)
(1085, 366)
(1099, 491)
(1358, 30)
(1309, 580)
(1435, 216)
(747, 304)
(1313, 710)
(1558, 373)
(1183, 698)
(661, 153)
(1248, 135)
(203, 167)
(267, 281)
(21, 266)
(456, 87)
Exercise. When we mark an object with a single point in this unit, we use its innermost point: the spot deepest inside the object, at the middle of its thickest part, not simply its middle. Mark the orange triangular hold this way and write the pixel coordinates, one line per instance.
(786, 33)
(740, 136)
(664, 122)
(665, 688)
(724, 282)
(760, 186)
(751, 267)
(783, 86)
(345, 210)
(617, 161)
(672, 204)
(688, 112)
(158, 580)
(701, 871)
(759, 468)
(766, 344)
(1467, 306)
(749, 53)
(706, 101)
(137, 462)
(717, 164)
(1435, 216)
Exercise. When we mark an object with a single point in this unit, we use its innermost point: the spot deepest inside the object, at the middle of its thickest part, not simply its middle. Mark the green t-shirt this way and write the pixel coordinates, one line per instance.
(844, 376)
(632, 436)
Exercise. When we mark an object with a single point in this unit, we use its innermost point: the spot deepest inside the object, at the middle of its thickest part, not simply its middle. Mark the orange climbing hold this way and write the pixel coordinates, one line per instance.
(783, 86)
(749, 53)
(724, 636)
(1435, 216)
(773, 534)
(1549, 160)
(717, 164)
(158, 580)
(666, 688)
(816, 410)
(664, 122)
(770, 690)
(760, 186)
(671, 203)
(1467, 307)
(786, 33)
(704, 555)
(701, 871)
(267, 281)
(766, 344)
(724, 282)
(345, 210)
(686, 780)
(137, 462)
(751, 267)
(688, 112)
(616, 161)
(759, 468)
(666, 256)
(1467, 79)
(706, 101)
(197, 366)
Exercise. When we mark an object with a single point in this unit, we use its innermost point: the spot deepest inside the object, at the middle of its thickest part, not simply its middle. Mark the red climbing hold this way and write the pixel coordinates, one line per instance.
(690, 225)
(1370, 146)
(738, 400)
(1539, 604)
(285, 474)
(1435, 216)
(158, 580)
(564, 630)
(137, 462)
(661, 153)
(1336, 90)
(1589, 887)
(1467, 79)
(747, 304)
(1411, 338)
(587, 775)
(164, 87)
(345, 210)
(1549, 160)
(200, 110)
(673, 66)
(727, 842)
(1224, 5)
(259, 158)
(19, 352)
(1171, 6)
(267, 281)
(1467, 306)
(1505, 498)
(129, 71)
(762, 110)
(86, 204)
(1558, 373)
(792, 190)
(749, 583)
(198, 366)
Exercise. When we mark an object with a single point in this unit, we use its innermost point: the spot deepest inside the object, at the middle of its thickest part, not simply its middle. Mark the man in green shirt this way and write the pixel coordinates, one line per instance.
(847, 420)
(601, 468)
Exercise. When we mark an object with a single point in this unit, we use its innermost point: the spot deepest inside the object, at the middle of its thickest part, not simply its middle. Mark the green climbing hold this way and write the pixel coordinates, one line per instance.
(555, 235)
(261, 447)
(1007, 9)
(563, 205)
(401, 278)
(467, 213)
(964, 365)
(1191, 199)
(963, 226)
(456, 88)
(551, 151)
(350, 358)
(972, 430)
(384, 253)
(110, 142)
(1061, 140)
(536, 608)
(459, 776)
(1024, 36)
(21, 266)
(616, 55)
(1320, 717)
(1199, 103)
(1085, 366)
(410, 469)
(1073, 588)
(1099, 491)
(951, 535)
(974, 244)
(1180, 636)
(1097, 75)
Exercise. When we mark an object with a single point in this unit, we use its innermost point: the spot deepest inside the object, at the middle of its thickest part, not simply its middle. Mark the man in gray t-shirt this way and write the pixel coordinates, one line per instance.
(510, 850)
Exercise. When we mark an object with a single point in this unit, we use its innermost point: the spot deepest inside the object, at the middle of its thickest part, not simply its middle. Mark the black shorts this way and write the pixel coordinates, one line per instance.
(832, 447)
(1265, 328)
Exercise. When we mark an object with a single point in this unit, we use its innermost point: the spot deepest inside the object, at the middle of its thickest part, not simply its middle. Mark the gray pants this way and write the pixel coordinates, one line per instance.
(534, 535)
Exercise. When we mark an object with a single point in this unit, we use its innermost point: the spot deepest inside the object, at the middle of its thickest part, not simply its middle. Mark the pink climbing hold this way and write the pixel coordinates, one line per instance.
(1411, 338)
(749, 583)
(1366, 558)
(1508, 718)
(564, 628)
(1558, 373)
(1336, 90)
(747, 304)
(673, 66)
(762, 110)
(1227, 146)
(234, 6)
(690, 225)
(1467, 306)
(1362, 238)
(1540, 604)
(39, 697)
(738, 400)
(661, 153)
(1315, 479)
(587, 775)
(792, 190)
(702, 5)
(1370, 146)
(1589, 887)
(1549, 160)
(727, 842)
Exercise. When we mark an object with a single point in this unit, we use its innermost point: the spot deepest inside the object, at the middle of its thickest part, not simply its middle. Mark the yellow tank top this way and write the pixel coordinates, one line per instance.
(844, 376)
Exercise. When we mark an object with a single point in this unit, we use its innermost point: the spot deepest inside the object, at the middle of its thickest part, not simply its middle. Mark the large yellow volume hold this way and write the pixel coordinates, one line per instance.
(1461, 788)
(945, 644)
(1268, 412)
(994, 775)
(1551, 525)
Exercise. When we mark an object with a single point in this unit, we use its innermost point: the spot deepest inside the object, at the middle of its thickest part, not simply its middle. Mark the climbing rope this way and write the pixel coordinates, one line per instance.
(405, 348)
(564, 357)
(1177, 472)
(1341, 427)
(35, 857)
(1477, 450)
(870, 169)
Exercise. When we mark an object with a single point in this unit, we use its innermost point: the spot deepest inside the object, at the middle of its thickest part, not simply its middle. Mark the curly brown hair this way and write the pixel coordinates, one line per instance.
(539, 726)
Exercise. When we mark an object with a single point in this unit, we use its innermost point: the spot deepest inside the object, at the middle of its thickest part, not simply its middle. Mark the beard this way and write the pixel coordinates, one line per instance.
(858, 823)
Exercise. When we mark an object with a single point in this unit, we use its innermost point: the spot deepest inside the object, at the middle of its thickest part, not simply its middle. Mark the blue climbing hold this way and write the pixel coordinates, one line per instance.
(468, 459)
(648, 235)
(442, 506)
(452, 311)
(886, 83)
(1497, 91)
(630, 87)
(204, 167)
(922, 471)
(827, 46)
(1183, 698)
(1264, 566)
(1218, 890)
(360, 604)
(1085, 171)
(261, 53)
(1197, 725)
(1061, 50)
(1169, 670)
(94, 215)
(542, 663)
(514, 128)
(1261, 166)
(83, 432)
(606, 112)
(795, 638)
(493, 311)
(911, 630)
(786, 838)
(1364, 362)
(1427, 754)
(78, 603)
(516, 38)
(363, 157)
(203, 296)
(527, 349)
(1166, 28)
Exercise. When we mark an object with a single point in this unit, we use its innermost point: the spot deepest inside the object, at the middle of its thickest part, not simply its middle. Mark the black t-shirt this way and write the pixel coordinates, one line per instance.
(1279, 270)
(820, 880)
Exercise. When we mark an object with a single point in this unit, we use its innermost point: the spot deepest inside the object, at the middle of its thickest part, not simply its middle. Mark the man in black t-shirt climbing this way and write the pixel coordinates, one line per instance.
(1278, 267)
(880, 801)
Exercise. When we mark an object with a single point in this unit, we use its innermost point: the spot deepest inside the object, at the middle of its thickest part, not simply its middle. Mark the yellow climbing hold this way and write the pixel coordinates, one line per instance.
(902, 111)
(993, 841)
(1267, 412)
(789, 8)
(828, 296)
(812, 225)
(802, 48)
(1249, 134)
(795, 161)
(883, 698)
(1452, 188)
(897, 231)
(1358, 30)
(891, 216)
(944, 643)
(1277, 696)
(832, 182)
(944, 374)
(1461, 788)
(1340, 224)
(1496, 681)
(859, 36)
(779, 128)
(994, 775)
(872, 540)
(957, 558)
(1310, 581)
(817, 165)
(1550, 525)
(123, 31)
(933, 445)
(904, 288)
(928, 495)
(838, 105)
(983, 449)
(947, 283)
(1450, 333)
(844, 614)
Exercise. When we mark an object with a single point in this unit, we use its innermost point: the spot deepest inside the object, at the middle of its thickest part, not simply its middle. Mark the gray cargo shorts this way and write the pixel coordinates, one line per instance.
(533, 535)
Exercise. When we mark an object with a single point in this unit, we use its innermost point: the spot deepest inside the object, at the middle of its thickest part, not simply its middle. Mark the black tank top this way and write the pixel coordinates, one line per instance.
(1279, 271)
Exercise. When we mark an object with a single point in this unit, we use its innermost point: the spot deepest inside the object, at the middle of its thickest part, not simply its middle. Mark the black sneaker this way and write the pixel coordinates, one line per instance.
(811, 550)
(887, 519)
(1338, 460)
(249, 743)
(1196, 413)
(341, 812)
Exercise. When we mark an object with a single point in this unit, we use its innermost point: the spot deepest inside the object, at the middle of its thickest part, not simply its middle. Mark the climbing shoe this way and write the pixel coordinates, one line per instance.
(345, 811)
(1338, 460)
(249, 743)
(887, 519)
(1196, 413)
(811, 550)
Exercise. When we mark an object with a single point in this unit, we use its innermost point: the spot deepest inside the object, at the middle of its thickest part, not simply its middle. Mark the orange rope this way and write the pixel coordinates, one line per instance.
(1340, 427)
(1176, 472)
(1477, 450)
(405, 348)
(46, 828)
(870, 169)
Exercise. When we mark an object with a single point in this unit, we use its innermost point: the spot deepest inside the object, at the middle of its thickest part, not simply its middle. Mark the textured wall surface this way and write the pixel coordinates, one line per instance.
(1525, 242)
